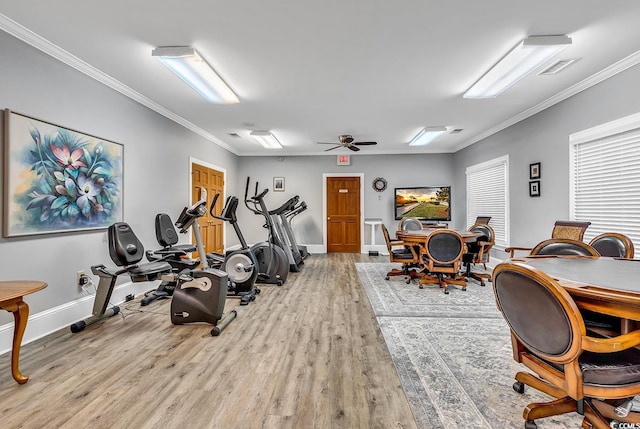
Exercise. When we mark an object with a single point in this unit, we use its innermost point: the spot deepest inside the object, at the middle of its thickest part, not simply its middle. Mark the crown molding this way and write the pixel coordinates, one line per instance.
(39, 42)
(587, 83)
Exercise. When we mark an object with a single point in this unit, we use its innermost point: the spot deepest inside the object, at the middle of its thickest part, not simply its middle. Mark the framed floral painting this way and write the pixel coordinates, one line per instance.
(57, 179)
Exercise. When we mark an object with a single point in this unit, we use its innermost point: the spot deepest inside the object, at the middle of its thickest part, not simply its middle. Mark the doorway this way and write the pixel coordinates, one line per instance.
(211, 229)
(343, 213)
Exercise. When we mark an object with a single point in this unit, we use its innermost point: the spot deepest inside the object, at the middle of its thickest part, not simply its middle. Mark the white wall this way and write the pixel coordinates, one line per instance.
(156, 161)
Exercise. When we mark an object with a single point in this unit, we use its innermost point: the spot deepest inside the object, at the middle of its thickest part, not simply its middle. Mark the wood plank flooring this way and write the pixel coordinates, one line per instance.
(308, 354)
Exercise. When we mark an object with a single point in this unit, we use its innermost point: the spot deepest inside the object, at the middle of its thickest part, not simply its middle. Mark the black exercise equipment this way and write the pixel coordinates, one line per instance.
(241, 264)
(172, 253)
(272, 261)
(126, 251)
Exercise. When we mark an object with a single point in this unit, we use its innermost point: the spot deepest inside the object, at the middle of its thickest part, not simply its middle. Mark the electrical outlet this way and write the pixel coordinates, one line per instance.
(80, 277)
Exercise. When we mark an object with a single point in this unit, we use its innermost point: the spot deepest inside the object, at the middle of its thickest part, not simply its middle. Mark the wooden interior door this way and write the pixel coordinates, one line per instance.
(343, 214)
(210, 227)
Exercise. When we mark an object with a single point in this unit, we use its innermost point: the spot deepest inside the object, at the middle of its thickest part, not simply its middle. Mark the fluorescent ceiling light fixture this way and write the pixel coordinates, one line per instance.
(427, 135)
(196, 72)
(266, 139)
(527, 56)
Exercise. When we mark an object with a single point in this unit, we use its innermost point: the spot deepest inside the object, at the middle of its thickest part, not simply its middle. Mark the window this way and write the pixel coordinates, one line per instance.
(488, 195)
(605, 178)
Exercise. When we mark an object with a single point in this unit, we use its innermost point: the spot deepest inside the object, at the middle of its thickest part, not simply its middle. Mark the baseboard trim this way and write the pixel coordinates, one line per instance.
(61, 317)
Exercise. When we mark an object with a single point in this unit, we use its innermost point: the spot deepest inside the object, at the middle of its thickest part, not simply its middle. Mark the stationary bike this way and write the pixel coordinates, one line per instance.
(171, 252)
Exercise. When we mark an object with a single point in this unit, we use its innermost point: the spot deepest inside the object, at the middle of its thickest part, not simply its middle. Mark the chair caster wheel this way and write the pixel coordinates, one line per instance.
(420, 287)
(530, 424)
(408, 281)
(386, 278)
(446, 291)
(518, 387)
(464, 289)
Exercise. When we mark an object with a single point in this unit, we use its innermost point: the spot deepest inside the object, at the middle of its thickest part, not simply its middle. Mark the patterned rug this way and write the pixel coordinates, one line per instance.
(452, 352)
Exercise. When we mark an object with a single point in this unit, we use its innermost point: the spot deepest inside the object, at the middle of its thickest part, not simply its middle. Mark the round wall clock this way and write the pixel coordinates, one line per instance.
(379, 184)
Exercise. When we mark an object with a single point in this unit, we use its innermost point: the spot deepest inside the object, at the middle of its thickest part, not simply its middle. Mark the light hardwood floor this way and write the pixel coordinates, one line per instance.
(308, 354)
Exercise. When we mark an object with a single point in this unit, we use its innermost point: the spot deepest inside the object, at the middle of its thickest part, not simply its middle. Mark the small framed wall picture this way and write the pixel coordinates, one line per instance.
(534, 170)
(278, 184)
(534, 188)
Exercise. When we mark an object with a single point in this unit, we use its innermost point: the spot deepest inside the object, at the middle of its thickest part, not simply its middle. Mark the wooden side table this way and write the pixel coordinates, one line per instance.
(11, 293)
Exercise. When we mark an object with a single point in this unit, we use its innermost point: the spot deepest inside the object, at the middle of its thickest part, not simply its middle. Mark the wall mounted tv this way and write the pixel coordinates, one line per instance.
(427, 203)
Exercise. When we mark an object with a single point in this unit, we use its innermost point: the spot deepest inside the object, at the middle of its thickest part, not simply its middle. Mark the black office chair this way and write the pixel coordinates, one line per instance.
(442, 258)
(549, 338)
(613, 244)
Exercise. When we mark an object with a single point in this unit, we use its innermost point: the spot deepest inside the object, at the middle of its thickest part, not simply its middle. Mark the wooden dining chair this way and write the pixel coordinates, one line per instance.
(564, 246)
(402, 253)
(592, 376)
(409, 224)
(442, 257)
(478, 252)
(613, 244)
(571, 230)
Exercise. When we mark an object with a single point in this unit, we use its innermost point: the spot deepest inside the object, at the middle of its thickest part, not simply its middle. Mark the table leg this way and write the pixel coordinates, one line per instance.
(20, 315)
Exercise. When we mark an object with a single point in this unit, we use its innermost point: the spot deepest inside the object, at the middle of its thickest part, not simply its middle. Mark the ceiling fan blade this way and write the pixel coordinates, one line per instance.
(332, 148)
(327, 143)
(365, 143)
(354, 148)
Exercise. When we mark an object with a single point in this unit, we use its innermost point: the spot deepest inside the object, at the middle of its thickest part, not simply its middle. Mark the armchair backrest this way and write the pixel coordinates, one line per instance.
(484, 220)
(444, 249)
(539, 312)
(124, 247)
(409, 224)
(569, 229)
(613, 244)
(562, 246)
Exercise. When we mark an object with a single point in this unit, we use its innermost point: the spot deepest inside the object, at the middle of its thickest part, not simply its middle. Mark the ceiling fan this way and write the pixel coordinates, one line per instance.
(346, 140)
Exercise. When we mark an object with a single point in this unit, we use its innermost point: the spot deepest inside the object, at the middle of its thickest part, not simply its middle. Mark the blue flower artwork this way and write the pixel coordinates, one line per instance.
(58, 179)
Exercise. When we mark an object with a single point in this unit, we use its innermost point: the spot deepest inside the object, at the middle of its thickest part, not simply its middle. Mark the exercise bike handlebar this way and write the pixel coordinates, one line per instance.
(190, 214)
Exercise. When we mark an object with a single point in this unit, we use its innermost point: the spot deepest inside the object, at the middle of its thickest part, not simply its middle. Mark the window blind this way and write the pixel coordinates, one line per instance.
(606, 184)
(487, 195)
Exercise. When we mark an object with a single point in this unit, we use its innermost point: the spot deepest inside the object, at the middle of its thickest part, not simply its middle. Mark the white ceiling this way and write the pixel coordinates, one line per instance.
(312, 70)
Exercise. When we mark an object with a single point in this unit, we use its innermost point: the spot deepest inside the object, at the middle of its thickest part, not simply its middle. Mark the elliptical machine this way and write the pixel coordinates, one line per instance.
(239, 264)
(272, 261)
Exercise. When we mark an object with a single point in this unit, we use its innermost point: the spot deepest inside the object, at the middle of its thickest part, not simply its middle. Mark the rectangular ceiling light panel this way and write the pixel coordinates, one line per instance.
(527, 56)
(266, 139)
(196, 72)
(427, 135)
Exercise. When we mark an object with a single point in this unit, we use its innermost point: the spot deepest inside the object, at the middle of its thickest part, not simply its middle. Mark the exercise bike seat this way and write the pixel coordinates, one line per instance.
(127, 251)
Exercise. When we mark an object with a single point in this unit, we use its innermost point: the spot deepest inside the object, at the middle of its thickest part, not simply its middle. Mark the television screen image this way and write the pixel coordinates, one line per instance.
(429, 203)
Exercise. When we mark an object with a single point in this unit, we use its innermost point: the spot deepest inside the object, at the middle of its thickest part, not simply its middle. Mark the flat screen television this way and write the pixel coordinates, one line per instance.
(427, 203)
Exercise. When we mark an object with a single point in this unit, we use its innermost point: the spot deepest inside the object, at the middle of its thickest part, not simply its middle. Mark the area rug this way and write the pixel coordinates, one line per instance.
(452, 353)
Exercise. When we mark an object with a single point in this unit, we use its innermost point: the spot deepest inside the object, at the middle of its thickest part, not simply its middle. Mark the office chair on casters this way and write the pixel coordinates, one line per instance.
(478, 251)
(570, 230)
(564, 247)
(442, 257)
(613, 244)
(592, 376)
(409, 224)
(405, 255)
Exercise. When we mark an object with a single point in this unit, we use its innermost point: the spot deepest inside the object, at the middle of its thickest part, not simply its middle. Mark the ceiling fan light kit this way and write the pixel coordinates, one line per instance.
(196, 72)
(427, 135)
(527, 56)
(266, 139)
